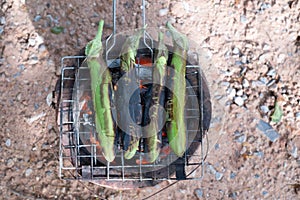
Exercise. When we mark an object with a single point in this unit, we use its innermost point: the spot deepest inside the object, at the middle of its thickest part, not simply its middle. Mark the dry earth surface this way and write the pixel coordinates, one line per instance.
(254, 49)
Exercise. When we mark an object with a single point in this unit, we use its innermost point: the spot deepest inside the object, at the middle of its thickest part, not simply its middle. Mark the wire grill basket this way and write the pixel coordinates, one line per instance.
(80, 153)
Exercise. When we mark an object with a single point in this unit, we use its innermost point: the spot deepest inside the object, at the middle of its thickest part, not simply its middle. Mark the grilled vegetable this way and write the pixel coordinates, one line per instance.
(176, 130)
(130, 135)
(153, 132)
(101, 88)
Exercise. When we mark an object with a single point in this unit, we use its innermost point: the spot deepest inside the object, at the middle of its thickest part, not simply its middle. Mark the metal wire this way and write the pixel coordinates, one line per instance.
(71, 156)
(109, 47)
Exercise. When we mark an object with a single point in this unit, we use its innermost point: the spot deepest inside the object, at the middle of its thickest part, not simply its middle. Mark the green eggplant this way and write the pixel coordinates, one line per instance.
(176, 131)
(130, 136)
(152, 132)
(101, 88)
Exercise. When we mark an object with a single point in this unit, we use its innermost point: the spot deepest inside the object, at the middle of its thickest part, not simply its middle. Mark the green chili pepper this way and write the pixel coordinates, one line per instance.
(176, 131)
(130, 136)
(153, 134)
(101, 87)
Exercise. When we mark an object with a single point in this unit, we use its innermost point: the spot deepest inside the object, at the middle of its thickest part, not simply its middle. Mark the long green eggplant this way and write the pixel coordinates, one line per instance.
(130, 135)
(153, 133)
(101, 88)
(176, 131)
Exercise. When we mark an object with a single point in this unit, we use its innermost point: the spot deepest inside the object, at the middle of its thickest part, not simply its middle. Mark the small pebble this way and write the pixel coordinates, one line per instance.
(35, 118)
(245, 83)
(2, 20)
(37, 18)
(271, 73)
(244, 60)
(243, 19)
(264, 192)
(21, 67)
(271, 82)
(267, 129)
(264, 80)
(49, 99)
(280, 58)
(238, 63)
(263, 58)
(264, 6)
(42, 48)
(256, 84)
(231, 93)
(240, 93)
(28, 172)
(266, 47)
(227, 54)
(17, 75)
(36, 106)
(236, 51)
(259, 154)
(8, 142)
(31, 42)
(256, 176)
(163, 12)
(232, 195)
(19, 97)
(10, 163)
(294, 151)
(219, 176)
(298, 116)
(48, 173)
(225, 84)
(232, 175)
(199, 193)
(239, 101)
(211, 169)
(264, 109)
(241, 139)
(243, 70)
(217, 146)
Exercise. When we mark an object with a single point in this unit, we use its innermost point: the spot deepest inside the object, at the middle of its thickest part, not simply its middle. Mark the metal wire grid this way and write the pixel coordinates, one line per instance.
(73, 163)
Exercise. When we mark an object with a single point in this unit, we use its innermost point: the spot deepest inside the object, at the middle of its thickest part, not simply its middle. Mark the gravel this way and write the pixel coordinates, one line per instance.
(241, 138)
(264, 109)
(268, 130)
(37, 18)
(28, 172)
(232, 175)
(199, 193)
(219, 176)
(239, 101)
(163, 12)
(243, 19)
(2, 20)
(298, 115)
(8, 142)
(236, 51)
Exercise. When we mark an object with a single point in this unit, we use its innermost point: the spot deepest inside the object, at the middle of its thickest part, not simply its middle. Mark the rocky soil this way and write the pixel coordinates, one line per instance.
(253, 48)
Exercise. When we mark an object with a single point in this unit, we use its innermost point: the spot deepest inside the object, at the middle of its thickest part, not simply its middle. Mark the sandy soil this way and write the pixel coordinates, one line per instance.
(254, 49)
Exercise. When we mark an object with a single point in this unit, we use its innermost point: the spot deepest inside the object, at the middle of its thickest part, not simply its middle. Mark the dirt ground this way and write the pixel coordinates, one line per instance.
(254, 51)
